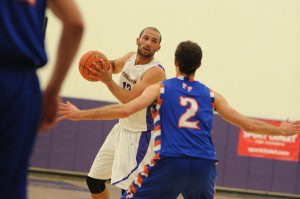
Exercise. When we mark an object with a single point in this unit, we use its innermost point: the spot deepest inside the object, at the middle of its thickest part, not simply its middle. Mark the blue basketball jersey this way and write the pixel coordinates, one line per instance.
(22, 38)
(183, 120)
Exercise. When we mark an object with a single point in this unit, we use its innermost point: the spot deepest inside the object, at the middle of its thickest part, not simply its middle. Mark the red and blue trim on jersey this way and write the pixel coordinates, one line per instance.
(157, 145)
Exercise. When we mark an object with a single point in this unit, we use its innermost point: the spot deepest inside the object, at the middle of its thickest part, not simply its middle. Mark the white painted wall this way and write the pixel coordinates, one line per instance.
(251, 47)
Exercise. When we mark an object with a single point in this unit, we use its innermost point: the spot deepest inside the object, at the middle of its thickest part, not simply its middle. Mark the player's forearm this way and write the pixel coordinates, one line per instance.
(247, 124)
(103, 113)
(121, 94)
(261, 127)
(68, 46)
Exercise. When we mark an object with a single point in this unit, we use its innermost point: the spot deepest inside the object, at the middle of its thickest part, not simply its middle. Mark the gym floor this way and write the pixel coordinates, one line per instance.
(43, 185)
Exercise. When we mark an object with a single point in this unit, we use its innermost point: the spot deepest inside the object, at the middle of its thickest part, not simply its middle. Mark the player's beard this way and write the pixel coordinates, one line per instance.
(145, 55)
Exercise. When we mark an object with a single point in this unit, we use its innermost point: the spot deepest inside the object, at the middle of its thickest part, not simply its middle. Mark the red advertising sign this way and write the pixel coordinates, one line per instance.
(269, 146)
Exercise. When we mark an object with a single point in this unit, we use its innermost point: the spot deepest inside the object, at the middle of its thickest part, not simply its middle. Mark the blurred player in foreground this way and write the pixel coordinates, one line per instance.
(184, 161)
(24, 108)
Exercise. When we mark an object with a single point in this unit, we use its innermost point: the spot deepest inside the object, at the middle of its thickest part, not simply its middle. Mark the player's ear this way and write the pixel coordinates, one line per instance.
(137, 41)
(176, 62)
(157, 49)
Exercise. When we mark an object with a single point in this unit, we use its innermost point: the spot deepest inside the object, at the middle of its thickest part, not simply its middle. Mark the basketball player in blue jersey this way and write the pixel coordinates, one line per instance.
(128, 146)
(24, 109)
(184, 160)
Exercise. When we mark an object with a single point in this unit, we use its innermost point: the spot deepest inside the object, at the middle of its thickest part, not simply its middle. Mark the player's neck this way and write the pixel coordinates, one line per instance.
(178, 74)
(143, 60)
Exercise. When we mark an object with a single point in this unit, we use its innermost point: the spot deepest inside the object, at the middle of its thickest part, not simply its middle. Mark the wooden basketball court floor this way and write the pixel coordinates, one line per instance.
(43, 185)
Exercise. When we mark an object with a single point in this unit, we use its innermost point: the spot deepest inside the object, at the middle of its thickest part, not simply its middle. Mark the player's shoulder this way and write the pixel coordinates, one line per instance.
(154, 67)
(153, 75)
(155, 71)
(129, 56)
(157, 63)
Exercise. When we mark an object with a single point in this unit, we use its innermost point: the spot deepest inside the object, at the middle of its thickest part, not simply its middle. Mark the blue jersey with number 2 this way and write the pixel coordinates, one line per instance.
(183, 120)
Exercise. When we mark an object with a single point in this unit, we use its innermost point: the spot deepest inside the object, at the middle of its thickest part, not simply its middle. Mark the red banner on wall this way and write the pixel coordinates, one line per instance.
(269, 146)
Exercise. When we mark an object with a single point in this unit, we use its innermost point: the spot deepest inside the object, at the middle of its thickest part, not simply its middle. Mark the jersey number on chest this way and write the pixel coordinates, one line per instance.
(126, 86)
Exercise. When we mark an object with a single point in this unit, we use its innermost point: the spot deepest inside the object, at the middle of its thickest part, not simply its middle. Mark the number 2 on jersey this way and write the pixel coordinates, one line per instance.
(191, 110)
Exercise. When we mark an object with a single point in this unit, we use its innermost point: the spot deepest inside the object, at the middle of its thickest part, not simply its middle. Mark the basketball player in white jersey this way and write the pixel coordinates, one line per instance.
(128, 146)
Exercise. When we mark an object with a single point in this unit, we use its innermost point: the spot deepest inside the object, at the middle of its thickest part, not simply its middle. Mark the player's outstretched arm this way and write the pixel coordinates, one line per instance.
(68, 111)
(252, 125)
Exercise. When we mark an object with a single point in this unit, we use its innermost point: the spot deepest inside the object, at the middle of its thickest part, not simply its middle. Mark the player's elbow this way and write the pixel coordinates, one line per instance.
(125, 99)
(78, 26)
(124, 113)
(75, 25)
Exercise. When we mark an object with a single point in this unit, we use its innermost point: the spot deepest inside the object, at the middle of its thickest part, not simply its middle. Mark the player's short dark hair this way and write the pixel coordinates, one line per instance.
(189, 56)
(153, 29)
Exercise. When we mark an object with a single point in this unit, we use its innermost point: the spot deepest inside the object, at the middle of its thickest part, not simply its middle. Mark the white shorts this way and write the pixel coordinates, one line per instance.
(122, 156)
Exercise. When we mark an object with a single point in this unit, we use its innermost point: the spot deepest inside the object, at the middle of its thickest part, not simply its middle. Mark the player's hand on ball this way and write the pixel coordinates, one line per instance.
(100, 73)
(86, 62)
(67, 111)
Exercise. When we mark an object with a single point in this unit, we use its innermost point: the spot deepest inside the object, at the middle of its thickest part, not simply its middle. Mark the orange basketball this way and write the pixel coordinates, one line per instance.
(87, 60)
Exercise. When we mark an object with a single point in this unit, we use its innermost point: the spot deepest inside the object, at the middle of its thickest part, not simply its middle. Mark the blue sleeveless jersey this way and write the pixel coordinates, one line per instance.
(183, 120)
(22, 38)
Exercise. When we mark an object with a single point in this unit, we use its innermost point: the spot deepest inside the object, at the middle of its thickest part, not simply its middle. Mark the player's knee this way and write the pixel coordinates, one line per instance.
(95, 185)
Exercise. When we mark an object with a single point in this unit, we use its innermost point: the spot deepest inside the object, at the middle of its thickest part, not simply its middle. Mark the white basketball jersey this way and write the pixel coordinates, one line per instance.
(130, 75)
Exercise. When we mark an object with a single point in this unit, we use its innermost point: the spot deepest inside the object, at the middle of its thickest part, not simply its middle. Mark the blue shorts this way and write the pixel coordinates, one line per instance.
(20, 109)
(169, 177)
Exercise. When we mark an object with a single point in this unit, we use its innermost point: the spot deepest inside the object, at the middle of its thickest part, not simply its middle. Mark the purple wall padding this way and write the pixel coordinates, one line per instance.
(297, 184)
(41, 151)
(63, 146)
(72, 146)
(233, 169)
(260, 174)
